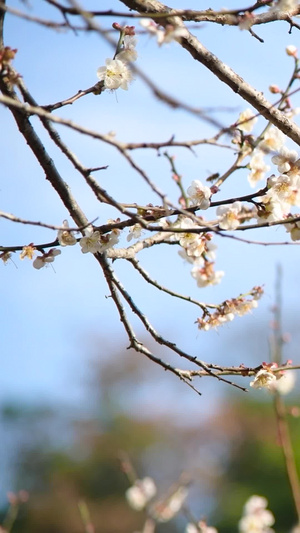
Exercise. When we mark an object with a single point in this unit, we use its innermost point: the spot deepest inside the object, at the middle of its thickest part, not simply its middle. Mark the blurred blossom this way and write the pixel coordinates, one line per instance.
(246, 121)
(141, 493)
(273, 139)
(228, 216)
(135, 232)
(258, 167)
(256, 517)
(167, 509)
(285, 383)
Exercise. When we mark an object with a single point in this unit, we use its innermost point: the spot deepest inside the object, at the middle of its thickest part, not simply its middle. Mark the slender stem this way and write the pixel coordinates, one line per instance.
(288, 452)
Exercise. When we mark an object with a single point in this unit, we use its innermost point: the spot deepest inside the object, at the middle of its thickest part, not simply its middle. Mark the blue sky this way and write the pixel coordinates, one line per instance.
(52, 319)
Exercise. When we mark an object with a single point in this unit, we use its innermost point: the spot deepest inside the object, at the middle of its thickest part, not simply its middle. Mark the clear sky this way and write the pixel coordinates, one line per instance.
(53, 321)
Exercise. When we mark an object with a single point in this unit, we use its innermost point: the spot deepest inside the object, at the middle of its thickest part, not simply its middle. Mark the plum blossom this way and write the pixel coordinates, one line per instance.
(166, 509)
(151, 27)
(65, 237)
(205, 275)
(94, 242)
(116, 74)
(285, 189)
(43, 260)
(294, 229)
(246, 121)
(273, 140)
(229, 216)
(229, 309)
(285, 159)
(263, 379)
(128, 51)
(258, 168)
(28, 251)
(193, 243)
(271, 209)
(171, 33)
(200, 194)
(141, 493)
(284, 382)
(134, 232)
(256, 517)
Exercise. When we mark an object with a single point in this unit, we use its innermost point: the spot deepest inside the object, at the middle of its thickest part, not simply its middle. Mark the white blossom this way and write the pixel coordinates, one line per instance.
(171, 33)
(141, 493)
(284, 382)
(134, 232)
(263, 379)
(166, 510)
(255, 504)
(273, 140)
(200, 194)
(258, 168)
(193, 243)
(43, 260)
(246, 121)
(94, 242)
(285, 189)
(116, 74)
(128, 51)
(285, 159)
(206, 275)
(151, 27)
(256, 517)
(294, 229)
(91, 243)
(228, 216)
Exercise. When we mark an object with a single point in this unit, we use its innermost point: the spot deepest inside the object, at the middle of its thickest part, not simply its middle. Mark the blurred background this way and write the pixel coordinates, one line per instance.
(74, 401)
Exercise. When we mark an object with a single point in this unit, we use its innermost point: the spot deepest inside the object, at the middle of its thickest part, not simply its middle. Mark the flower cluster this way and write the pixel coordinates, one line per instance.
(116, 73)
(273, 140)
(94, 242)
(142, 492)
(229, 309)
(256, 517)
(198, 249)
